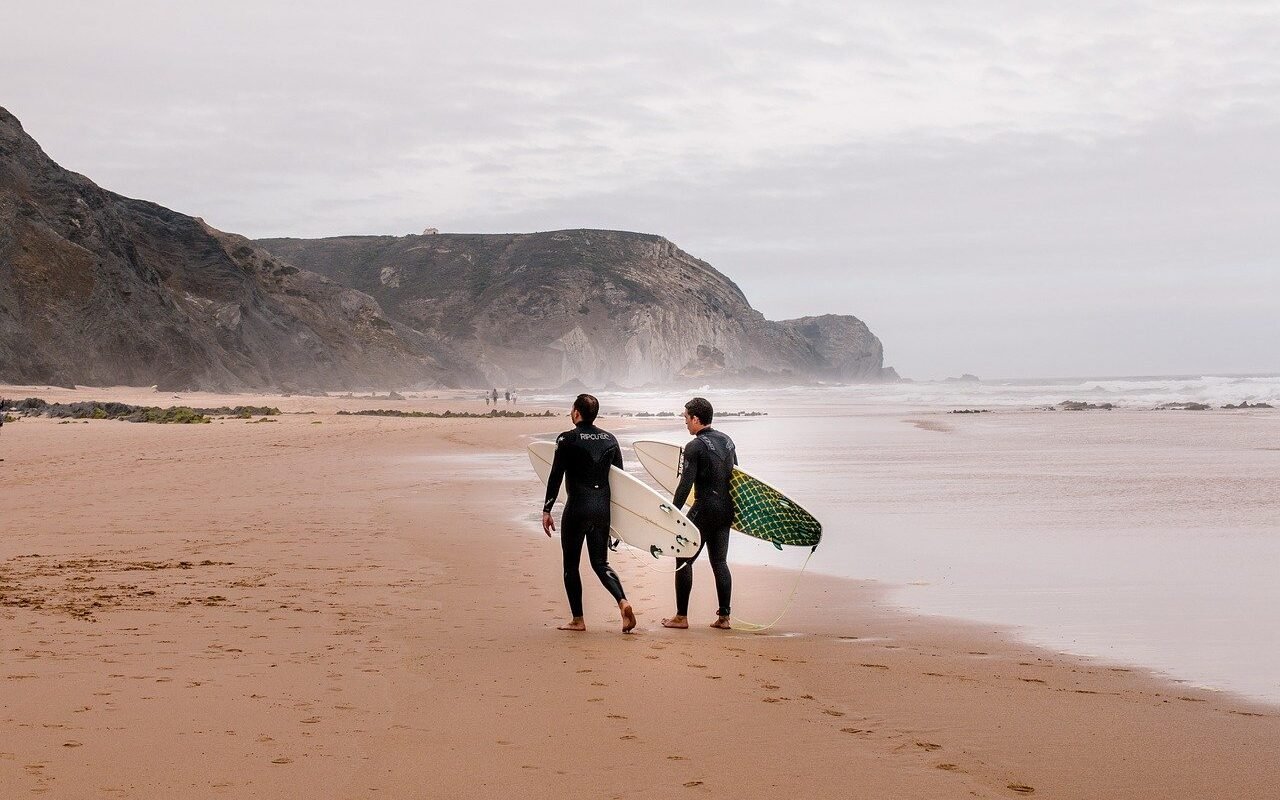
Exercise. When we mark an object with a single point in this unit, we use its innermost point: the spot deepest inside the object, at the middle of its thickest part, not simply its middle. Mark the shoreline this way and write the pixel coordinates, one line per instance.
(343, 609)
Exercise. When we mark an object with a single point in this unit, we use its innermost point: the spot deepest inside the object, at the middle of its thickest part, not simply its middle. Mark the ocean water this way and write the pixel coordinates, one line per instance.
(1137, 536)
(1127, 393)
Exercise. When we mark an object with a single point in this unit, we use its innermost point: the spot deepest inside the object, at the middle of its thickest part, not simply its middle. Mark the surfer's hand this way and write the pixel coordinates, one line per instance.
(548, 524)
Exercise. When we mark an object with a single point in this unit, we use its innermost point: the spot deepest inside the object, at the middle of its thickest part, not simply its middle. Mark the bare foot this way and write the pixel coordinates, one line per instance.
(628, 616)
(678, 621)
(575, 624)
(722, 623)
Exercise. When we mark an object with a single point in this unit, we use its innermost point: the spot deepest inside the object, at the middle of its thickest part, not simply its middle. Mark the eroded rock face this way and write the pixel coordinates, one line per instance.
(847, 349)
(96, 288)
(599, 307)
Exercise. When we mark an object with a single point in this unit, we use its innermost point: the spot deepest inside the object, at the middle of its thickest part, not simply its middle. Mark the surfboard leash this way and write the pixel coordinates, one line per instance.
(753, 627)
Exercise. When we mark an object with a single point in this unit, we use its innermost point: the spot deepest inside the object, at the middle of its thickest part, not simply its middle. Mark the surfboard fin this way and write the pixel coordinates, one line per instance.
(655, 551)
(613, 544)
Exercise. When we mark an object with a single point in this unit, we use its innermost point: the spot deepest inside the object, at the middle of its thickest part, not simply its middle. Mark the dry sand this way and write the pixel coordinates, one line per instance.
(345, 607)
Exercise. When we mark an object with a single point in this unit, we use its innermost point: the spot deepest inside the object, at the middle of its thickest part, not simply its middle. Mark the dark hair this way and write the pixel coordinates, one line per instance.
(700, 407)
(588, 407)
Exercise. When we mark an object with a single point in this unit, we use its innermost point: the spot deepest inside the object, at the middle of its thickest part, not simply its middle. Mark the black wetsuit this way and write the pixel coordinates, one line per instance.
(582, 460)
(708, 467)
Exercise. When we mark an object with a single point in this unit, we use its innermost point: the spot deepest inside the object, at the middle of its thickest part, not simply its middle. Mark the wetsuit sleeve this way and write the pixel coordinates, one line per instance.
(557, 477)
(688, 473)
(617, 456)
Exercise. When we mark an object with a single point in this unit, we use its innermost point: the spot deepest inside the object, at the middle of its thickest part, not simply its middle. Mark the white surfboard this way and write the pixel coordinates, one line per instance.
(662, 461)
(638, 515)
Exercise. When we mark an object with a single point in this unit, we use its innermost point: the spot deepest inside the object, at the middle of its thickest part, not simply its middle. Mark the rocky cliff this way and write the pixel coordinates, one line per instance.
(96, 288)
(599, 307)
(846, 348)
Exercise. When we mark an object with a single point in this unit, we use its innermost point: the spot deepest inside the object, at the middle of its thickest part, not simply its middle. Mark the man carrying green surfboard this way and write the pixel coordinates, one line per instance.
(707, 469)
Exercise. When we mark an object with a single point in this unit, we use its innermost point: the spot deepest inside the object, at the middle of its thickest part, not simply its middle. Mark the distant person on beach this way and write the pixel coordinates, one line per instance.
(495, 395)
(508, 396)
(582, 460)
(708, 466)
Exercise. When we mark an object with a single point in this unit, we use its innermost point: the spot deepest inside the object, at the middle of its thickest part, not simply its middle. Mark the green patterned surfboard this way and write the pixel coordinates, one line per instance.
(759, 509)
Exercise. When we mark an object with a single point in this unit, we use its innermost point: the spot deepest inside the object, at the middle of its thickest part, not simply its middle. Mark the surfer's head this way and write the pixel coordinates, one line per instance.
(587, 407)
(697, 414)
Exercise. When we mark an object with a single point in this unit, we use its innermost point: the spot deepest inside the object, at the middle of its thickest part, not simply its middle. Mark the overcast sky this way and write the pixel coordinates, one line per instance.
(1003, 188)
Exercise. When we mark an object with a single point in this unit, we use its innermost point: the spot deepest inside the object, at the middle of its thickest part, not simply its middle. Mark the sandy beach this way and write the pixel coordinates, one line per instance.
(336, 606)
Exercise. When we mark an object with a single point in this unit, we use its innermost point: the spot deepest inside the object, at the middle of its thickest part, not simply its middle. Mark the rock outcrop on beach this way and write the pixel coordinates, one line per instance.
(96, 288)
(597, 307)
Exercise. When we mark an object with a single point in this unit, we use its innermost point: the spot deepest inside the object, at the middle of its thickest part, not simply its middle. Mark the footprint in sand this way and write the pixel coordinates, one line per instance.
(282, 760)
(1021, 788)
(928, 746)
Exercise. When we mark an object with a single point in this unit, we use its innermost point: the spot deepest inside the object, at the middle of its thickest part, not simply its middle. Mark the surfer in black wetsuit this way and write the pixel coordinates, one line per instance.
(707, 469)
(583, 458)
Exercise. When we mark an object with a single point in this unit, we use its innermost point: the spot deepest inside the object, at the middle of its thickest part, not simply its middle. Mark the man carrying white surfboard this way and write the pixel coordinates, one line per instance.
(582, 461)
(707, 469)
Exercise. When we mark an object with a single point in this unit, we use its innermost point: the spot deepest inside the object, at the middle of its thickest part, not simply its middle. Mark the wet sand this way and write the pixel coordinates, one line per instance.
(335, 606)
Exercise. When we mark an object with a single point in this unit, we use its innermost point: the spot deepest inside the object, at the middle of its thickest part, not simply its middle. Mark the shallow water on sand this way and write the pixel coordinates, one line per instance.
(1143, 537)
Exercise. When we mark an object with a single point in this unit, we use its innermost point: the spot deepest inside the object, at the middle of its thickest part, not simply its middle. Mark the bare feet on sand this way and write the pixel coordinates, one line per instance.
(722, 623)
(678, 621)
(575, 624)
(628, 616)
